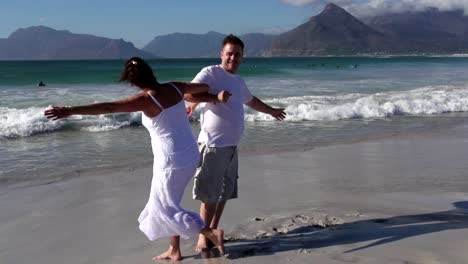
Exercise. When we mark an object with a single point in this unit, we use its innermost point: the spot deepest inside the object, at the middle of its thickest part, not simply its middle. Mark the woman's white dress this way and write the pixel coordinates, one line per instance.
(175, 161)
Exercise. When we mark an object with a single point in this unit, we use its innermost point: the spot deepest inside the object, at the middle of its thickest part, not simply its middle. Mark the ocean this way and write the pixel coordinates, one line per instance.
(328, 100)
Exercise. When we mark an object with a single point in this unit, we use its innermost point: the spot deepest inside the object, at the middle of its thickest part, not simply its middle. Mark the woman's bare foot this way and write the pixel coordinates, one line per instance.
(201, 244)
(216, 236)
(171, 253)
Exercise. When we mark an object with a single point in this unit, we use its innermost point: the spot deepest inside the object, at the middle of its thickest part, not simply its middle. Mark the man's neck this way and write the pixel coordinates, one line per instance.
(222, 66)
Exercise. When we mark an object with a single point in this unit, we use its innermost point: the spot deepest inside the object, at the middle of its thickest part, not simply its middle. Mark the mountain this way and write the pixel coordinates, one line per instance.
(43, 43)
(187, 45)
(257, 44)
(336, 32)
(184, 45)
(333, 31)
(429, 30)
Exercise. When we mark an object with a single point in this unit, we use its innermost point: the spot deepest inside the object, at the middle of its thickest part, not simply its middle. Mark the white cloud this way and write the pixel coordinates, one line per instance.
(372, 7)
(42, 19)
(301, 2)
(275, 30)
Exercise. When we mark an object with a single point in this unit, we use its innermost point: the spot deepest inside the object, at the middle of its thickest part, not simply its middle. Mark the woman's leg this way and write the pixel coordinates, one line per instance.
(173, 252)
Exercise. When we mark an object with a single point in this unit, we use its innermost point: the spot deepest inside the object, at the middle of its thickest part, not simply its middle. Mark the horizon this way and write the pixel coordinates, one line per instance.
(115, 20)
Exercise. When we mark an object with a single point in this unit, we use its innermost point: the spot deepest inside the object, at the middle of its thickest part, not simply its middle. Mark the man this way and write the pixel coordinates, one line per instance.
(222, 126)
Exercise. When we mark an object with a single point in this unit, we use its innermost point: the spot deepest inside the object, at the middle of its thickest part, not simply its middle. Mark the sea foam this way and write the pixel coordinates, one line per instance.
(25, 122)
(419, 102)
(30, 121)
(112, 122)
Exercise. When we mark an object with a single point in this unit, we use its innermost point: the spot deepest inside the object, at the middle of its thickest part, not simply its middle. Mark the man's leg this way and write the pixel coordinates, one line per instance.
(207, 211)
(215, 221)
(217, 214)
(210, 213)
(216, 162)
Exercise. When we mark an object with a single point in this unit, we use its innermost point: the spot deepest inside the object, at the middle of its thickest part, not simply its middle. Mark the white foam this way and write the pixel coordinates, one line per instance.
(419, 102)
(25, 122)
(462, 55)
(109, 122)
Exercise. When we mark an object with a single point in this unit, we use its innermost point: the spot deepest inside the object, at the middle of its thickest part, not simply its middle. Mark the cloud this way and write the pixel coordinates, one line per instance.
(275, 30)
(301, 2)
(319, 2)
(42, 19)
(373, 7)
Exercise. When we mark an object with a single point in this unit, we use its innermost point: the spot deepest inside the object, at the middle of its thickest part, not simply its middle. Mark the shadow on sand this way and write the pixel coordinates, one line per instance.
(379, 231)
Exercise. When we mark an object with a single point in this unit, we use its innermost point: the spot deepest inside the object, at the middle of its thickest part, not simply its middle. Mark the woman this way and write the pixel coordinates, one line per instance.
(174, 148)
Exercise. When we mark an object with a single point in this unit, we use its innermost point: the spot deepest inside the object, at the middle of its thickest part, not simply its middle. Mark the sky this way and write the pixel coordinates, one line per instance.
(139, 21)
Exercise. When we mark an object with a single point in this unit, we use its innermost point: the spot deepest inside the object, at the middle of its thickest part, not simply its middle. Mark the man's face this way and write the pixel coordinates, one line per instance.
(231, 57)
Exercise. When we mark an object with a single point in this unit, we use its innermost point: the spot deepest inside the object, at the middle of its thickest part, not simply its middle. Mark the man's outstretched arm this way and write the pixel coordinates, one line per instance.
(258, 105)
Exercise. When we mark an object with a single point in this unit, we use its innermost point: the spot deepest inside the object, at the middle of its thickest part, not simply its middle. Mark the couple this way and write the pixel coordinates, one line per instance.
(176, 154)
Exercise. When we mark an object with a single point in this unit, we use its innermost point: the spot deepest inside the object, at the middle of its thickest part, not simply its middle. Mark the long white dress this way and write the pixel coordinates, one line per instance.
(175, 161)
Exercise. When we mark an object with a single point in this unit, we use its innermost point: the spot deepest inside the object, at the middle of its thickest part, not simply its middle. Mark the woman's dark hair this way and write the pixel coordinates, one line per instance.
(232, 39)
(138, 72)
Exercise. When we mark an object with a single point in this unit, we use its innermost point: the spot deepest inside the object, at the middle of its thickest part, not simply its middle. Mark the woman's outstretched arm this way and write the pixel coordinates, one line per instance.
(132, 104)
(198, 92)
(192, 88)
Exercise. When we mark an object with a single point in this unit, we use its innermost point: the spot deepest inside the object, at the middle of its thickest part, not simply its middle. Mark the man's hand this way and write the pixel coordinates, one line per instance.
(278, 113)
(223, 96)
(257, 105)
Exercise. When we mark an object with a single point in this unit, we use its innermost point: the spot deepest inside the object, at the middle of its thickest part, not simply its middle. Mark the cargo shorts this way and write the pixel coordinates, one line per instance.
(217, 173)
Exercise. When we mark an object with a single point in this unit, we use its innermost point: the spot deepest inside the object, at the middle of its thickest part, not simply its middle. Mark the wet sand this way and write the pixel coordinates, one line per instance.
(402, 199)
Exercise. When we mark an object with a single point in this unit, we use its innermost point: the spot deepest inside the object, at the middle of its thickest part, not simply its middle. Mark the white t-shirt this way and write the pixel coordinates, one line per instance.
(222, 124)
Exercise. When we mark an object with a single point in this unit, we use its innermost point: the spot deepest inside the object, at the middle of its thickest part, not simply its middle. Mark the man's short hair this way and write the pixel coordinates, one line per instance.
(232, 39)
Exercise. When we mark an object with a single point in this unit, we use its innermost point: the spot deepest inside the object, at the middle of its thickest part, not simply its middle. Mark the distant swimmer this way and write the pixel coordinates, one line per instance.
(41, 83)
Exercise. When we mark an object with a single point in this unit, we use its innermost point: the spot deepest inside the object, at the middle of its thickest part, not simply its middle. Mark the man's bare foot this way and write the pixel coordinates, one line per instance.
(171, 253)
(217, 237)
(201, 244)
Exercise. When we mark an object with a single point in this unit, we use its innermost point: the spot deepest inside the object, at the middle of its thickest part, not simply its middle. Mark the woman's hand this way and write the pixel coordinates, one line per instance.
(190, 109)
(58, 112)
(221, 97)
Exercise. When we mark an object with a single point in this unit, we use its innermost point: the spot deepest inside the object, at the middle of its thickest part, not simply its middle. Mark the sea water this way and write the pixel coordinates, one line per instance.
(328, 100)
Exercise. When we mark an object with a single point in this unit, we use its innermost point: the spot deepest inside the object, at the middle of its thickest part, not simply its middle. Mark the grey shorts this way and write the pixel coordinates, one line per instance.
(216, 176)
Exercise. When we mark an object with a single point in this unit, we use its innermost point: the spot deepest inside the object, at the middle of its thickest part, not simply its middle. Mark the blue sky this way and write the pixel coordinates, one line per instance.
(139, 21)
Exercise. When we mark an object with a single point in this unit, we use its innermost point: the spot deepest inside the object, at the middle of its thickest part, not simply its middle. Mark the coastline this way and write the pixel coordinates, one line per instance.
(395, 200)
(453, 126)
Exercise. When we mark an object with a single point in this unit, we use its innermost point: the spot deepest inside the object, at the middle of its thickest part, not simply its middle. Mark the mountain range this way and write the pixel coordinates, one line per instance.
(43, 43)
(332, 32)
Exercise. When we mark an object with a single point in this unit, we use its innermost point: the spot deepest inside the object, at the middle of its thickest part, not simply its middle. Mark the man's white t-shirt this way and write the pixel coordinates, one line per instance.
(222, 124)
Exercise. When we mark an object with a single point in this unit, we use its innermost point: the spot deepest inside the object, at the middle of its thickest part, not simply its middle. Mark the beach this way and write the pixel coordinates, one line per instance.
(369, 165)
(397, 199)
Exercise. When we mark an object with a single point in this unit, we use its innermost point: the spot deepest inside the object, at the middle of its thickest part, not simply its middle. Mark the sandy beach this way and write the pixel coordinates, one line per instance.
(401, 199)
